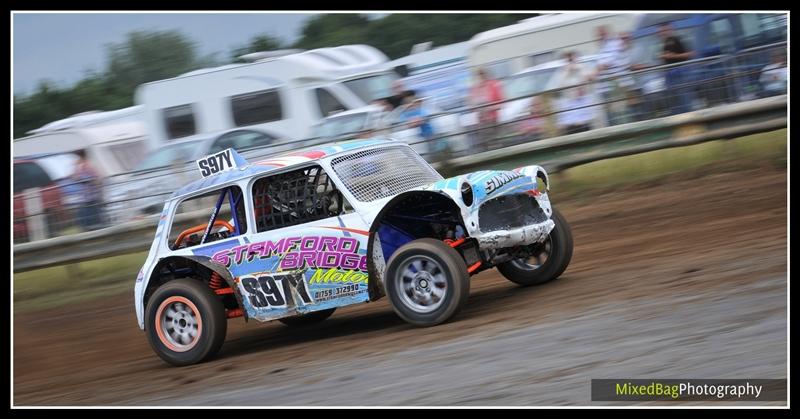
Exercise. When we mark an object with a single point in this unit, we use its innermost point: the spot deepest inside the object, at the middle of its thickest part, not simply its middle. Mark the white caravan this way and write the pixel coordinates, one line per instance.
(93, 119)
(112, 148)
(283, 93)
(510, 49)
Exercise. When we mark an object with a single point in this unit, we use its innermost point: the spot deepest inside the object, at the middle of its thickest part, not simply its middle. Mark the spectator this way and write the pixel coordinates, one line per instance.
(572, 74)
(674, 51)
(382, 122)
(485, 92)
(576, 112)
(398, 93)
(613, 64)
(532, 128)
(416, 117)
(775, 75)
(609, 59)
(88, 192)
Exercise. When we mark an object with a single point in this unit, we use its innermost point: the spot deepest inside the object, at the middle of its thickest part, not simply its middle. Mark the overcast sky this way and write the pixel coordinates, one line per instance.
(62, 47)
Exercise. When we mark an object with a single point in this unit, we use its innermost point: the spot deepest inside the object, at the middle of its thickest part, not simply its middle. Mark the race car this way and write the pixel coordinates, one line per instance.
(295, 237)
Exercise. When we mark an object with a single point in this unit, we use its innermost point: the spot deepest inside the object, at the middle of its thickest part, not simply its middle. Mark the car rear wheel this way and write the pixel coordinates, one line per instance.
(185, 322)
(427, 282)
(546, 261)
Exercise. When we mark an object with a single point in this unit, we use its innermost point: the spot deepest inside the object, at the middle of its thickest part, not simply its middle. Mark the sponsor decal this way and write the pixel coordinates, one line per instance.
(316, 252)
(333, 275)
(495, 182)
(276, 290)
(349, 290)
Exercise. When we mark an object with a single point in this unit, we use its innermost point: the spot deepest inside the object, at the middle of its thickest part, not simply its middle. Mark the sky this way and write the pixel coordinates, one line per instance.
(63, 47)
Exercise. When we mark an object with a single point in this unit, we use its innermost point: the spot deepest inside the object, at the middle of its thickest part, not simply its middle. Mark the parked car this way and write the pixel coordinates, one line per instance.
(294, 237)
(29, 176)
(368, 121)
(372, 120)
(141, 192)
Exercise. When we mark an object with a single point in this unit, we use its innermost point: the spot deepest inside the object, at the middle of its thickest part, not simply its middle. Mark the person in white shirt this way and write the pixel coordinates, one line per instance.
(576, 111)
(615, 61)
(572, 74)
(775, 75)
(611, 59)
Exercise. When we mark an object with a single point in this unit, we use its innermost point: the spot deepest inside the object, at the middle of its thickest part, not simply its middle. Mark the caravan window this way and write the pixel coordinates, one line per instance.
(542, 58)
(760, 28)
(179, 121)
(29, 175)
(256, 108)
(372, 87)
(720, 35)
(328, 104)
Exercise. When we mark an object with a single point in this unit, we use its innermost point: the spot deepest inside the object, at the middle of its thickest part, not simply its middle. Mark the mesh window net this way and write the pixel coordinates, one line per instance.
(379, 173)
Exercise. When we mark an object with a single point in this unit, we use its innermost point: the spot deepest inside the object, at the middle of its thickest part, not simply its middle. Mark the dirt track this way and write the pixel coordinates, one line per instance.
(683, 279)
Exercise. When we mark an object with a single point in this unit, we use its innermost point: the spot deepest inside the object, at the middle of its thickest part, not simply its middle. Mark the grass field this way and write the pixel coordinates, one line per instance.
(71, 284)
(739, 153)
(83, 281)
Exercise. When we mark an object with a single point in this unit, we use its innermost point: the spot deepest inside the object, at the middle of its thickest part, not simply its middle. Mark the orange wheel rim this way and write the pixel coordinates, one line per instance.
(178, 324)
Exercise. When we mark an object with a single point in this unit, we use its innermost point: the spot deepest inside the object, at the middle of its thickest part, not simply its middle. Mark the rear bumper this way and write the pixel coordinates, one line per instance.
(498, 239)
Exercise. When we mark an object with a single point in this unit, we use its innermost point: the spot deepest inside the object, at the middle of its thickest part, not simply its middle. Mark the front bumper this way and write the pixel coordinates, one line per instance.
(498, 239)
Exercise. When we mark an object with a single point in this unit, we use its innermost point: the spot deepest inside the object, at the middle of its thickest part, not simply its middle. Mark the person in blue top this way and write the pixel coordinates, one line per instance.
(415, 116)
(87, 187)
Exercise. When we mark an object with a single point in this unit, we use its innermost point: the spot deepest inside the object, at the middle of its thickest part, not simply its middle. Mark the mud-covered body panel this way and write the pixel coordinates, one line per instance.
(489, 185)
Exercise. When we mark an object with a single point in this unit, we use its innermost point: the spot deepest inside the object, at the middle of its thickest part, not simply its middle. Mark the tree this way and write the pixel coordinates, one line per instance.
(329, 30)
(258, 43)
(149, 56)
(143, 57)
(395, 34)
(146, 56)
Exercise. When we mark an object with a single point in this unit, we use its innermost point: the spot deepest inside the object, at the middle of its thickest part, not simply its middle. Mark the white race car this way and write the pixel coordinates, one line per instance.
(294, 237)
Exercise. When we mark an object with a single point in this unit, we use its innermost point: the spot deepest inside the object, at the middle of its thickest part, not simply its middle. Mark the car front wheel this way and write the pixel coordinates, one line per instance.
(545, 261)
(427, 282)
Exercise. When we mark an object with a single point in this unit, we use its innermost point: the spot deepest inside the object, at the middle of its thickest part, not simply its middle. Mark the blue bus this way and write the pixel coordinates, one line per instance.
(748, 35)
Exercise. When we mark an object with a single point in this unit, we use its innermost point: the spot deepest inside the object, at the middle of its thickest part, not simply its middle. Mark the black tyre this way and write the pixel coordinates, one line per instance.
(427, 282)
(548, 260)
(307, 319)
(185, 322)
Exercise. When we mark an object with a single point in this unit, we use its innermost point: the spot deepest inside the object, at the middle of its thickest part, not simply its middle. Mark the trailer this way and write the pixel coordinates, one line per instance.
(283, 92)
(510, 49)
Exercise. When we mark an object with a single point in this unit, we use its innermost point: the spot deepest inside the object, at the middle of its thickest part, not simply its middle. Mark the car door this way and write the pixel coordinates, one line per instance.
(309, 250)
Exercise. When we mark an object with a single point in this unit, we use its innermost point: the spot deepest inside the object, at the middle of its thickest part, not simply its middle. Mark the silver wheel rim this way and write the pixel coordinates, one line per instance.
(180, 326)
(421, 283)
(537, 259)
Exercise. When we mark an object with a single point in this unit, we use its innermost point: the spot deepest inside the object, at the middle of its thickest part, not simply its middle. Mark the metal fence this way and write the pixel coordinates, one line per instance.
(555, 154)
(619, 99)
